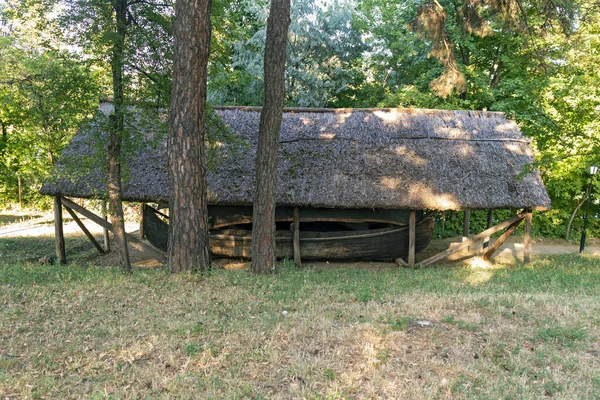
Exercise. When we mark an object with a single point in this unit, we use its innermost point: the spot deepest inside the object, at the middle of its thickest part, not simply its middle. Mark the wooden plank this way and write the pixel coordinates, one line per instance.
(223, 216)
(59, 237)
(527, 237)
(85, 230)
(496, 245)
(135, 242)
(472, 240)
(297, 256)
(105, 231)
(379, 244)
(490, 221)
(412, 219)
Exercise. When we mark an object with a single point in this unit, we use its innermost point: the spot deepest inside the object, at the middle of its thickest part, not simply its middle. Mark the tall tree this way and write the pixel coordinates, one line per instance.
(263, 227)
(116, 132)
(126, 35)
(188, 232)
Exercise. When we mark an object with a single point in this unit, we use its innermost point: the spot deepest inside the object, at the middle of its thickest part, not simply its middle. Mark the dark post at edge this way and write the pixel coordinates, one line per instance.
(593, 170)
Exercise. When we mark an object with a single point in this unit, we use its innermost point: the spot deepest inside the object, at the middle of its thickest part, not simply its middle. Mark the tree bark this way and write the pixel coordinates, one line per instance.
(263, 220)
(116, 132)
(188, 230)
(3, 138)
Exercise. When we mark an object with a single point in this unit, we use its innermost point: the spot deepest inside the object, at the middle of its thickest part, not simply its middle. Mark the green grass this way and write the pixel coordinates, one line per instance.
(81, 331)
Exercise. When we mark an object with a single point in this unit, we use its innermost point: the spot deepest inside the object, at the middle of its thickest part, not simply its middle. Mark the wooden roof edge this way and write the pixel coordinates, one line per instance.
(322, 110)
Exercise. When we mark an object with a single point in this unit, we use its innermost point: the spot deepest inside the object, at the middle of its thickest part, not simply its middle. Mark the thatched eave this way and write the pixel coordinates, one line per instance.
(345, 158)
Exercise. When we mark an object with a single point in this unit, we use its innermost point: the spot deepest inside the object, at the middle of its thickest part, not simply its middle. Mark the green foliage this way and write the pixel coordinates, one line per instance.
(324, 56)
(44, 95)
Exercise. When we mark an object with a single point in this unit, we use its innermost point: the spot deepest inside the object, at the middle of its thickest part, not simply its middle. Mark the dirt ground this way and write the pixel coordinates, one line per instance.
(28, 225)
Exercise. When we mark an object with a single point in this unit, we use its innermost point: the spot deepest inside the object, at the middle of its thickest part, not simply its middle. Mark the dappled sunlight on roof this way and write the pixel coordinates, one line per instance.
(411, 155)
(327, 136)
(305, 120)
(347, 158)
(466, 151)
(518, 148)
(387, 116)
(390, 183)
(340, 118)
(422, 192)
(505, 127)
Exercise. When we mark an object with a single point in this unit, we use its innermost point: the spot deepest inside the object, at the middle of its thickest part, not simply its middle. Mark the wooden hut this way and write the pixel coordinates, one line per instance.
(384, 167)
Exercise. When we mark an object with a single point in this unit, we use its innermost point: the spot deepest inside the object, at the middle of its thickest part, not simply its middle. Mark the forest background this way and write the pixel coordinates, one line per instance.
(537, 61)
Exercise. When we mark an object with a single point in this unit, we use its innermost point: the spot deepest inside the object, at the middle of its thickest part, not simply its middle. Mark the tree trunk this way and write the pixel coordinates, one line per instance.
(188, 231)
(3, 138)
(116, 136)
(263, 220)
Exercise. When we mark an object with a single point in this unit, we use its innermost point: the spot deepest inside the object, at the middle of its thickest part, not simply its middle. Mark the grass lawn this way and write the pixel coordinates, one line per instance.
(80, 331)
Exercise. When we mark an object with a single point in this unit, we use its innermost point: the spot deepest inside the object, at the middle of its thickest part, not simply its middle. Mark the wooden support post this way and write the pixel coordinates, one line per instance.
(472, 240)
(527, 237)
(490, 221)
(106, 234)
(142, 233)
(85, 230)
(133, 241)
(466, 223)
(412, 241)
(443, 220)
(297, 256)
(59, 236)
(496, 245)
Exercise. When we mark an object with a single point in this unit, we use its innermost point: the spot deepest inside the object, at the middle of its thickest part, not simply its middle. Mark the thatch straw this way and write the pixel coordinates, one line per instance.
(370, 158)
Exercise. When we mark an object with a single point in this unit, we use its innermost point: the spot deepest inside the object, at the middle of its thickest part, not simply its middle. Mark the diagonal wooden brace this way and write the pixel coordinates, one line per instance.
(135, 242)
(469, 242)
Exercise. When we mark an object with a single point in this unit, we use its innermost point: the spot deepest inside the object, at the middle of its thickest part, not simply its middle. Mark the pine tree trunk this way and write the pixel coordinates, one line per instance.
(263, 219)
(188, 231)
(116, 137)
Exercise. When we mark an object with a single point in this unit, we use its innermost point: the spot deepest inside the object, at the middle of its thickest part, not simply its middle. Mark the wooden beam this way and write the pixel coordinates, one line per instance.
(466, 223)
(490, 221)
(59, 236)
(85, 230)
(412, 221)
(135, 242)
(472, 240)
(297, 256)
(105, 231)
(527, 237)
(496, 245)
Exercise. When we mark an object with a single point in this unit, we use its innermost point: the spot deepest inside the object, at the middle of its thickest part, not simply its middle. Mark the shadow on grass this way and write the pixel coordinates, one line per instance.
(6, 219)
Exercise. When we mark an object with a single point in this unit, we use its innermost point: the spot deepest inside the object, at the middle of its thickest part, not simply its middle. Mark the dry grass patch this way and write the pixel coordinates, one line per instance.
(85, 332)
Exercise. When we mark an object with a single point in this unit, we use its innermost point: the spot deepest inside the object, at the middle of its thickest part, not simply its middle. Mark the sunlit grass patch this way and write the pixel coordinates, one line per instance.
(80, 331)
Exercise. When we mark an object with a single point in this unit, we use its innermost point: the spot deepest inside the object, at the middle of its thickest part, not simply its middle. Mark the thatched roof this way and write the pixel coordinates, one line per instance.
(375, 158)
